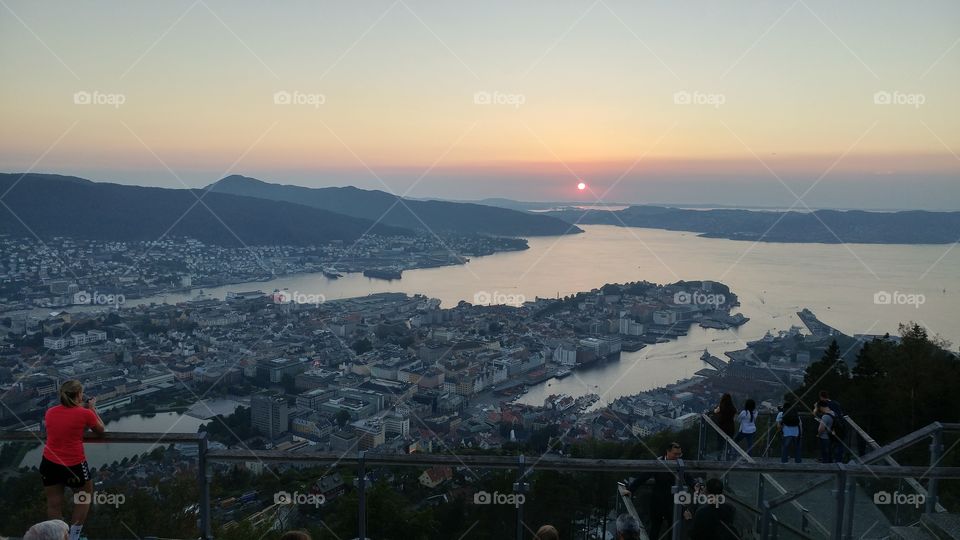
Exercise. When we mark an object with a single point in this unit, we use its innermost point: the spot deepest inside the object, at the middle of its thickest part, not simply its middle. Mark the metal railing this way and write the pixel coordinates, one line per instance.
(843, 477)
(525, 466)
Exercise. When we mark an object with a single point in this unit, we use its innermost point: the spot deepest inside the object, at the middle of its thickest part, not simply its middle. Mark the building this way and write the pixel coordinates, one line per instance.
(269, 414)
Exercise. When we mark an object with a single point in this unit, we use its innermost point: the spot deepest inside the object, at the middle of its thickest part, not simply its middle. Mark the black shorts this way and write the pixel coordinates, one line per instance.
(54, 474)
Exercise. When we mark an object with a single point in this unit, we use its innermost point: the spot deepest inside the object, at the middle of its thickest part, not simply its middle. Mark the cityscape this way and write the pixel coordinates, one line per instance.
(409, 270)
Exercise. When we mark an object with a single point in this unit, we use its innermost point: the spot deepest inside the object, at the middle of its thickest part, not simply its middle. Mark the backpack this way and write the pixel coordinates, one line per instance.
(837, 431)
(791, 418)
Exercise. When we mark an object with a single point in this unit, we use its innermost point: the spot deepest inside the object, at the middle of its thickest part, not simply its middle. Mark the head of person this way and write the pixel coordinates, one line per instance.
(547, 532)
(824, 395)
(71, 393)
(628, 527)
(750, 405)
(714, 486)
(823, 406)
(296, 535)
(54, 529)
(673, 451)
(726, 400)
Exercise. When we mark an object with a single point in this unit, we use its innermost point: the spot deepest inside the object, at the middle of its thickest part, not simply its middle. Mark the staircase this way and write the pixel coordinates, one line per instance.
(930, 527)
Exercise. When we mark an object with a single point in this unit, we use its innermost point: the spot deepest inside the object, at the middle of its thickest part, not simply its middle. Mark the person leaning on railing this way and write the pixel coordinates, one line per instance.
(64, 463)
(661, 495)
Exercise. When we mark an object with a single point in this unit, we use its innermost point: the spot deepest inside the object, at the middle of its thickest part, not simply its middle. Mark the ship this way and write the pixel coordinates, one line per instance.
(383, 273)
(561, 373)
(331, 273)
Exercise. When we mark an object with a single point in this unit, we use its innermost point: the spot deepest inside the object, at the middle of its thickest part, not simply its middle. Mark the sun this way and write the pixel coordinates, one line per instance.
(581, 186)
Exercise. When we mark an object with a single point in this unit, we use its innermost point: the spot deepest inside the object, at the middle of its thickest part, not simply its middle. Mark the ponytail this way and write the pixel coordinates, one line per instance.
(70, 393)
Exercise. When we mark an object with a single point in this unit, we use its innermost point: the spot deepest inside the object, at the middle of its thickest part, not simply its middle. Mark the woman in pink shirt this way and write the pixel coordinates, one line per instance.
(64, 463)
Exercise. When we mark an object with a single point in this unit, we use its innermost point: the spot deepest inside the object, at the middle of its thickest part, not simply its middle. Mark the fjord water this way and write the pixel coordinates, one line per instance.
(773, 280)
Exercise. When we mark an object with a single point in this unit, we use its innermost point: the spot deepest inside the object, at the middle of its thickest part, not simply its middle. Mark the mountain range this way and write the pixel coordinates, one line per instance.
(432, 215)
(819, 226)
(257, 214)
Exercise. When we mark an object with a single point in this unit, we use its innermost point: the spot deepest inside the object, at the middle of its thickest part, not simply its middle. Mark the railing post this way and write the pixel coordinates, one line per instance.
(678, 508)
(362, 487)
(761, 503)
(203, 483)
(701, 443)
(838, 493)
(765, 521)
(849, 517)
(936, 447)
(517, 489)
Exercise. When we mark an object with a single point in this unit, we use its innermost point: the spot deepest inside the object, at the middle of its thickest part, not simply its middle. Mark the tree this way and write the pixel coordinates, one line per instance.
(361, 346)
(342, 417)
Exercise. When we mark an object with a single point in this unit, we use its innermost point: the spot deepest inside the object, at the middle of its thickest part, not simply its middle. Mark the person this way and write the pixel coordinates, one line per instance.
(724, 415)
(714, 520)
(296, 535)
(54, 529)
(628, 527)
(547, 532)
(747, 420)
(661, 496)
(790, 427)
(64, 463)
(831, 448)
(839, 446)
(834, 406)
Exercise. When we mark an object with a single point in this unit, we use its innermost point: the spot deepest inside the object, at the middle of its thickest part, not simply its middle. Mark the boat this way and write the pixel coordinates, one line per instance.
(331, 273)
(383, 273)
(563, 373)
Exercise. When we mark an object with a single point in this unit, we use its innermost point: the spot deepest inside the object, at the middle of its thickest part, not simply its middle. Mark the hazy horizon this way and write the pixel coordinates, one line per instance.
(783, 104)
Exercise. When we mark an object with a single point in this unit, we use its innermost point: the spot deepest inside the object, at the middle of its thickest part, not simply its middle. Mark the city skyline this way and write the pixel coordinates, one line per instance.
(791, 104)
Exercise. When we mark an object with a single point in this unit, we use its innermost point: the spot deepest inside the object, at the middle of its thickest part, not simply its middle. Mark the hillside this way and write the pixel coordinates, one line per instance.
(820, 226)
(53, 205)
(438, 216)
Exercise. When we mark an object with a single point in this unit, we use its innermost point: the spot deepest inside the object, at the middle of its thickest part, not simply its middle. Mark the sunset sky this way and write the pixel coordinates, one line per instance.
(750, 103)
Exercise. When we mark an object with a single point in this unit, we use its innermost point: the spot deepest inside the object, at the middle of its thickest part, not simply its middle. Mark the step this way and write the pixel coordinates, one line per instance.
(942, 526)
(909, 533)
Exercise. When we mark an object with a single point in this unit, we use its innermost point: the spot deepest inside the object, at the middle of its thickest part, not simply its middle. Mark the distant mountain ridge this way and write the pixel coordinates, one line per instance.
(437, 216)
(54, 205)
(820, 226)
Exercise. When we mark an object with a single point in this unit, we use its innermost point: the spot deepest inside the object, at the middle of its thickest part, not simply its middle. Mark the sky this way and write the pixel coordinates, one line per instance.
(792, 104)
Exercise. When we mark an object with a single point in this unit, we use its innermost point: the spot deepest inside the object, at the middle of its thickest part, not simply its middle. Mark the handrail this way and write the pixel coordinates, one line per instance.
(766, 477)
(912, 482)
(757, 512)
(627, 501)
